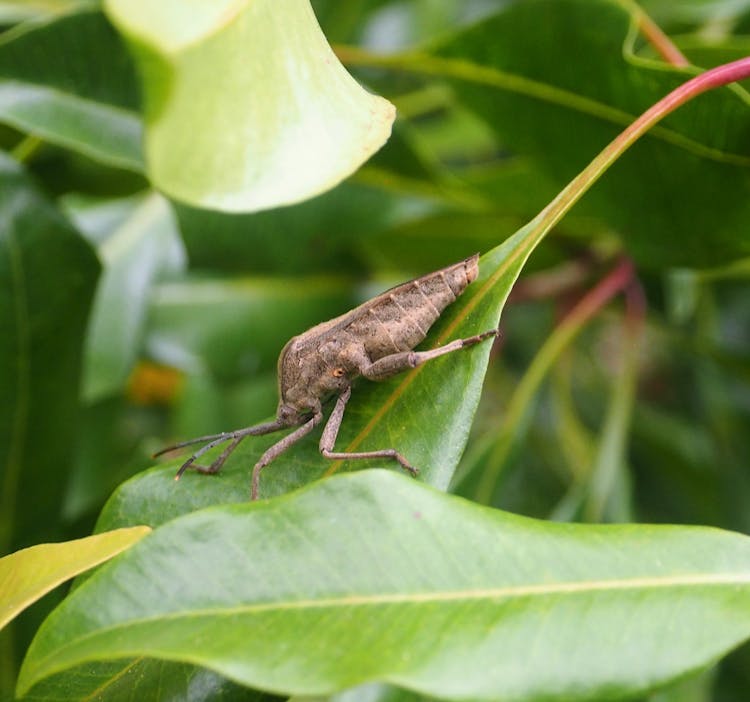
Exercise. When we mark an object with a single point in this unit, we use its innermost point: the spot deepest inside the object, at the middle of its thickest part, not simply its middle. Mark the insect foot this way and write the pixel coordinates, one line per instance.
(375, 340)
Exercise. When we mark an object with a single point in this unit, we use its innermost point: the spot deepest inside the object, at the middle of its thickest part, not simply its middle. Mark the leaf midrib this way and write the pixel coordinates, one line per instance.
(496, 593)
(416, 598)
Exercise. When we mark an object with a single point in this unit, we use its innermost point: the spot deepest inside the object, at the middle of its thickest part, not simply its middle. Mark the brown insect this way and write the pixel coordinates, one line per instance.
(374, 340)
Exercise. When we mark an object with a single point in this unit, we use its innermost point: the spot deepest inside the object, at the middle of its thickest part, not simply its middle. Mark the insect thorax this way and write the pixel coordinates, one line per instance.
(308, 375)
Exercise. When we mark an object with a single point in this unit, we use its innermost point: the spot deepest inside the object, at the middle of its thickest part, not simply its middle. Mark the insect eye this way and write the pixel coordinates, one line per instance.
(337, 372)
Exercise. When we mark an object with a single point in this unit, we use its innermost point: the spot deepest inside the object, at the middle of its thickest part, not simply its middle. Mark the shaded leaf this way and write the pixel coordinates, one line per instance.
(47, 277)
(137, 247)
(373, 577)
(236, 326)
(108, 450)
(87, 102)
(315, 235)
(27, 575)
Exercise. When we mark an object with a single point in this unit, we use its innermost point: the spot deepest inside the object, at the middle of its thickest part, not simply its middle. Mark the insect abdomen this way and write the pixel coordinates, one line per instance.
(400, 318)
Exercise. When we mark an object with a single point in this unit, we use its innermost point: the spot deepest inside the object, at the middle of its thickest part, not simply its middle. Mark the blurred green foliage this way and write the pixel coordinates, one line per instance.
(192, 307)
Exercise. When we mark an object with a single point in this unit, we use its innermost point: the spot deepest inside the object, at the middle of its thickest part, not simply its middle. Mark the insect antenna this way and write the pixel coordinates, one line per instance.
(190, 442)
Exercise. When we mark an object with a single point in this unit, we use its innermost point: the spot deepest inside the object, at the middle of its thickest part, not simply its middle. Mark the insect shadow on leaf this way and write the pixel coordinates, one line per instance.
(375, 340)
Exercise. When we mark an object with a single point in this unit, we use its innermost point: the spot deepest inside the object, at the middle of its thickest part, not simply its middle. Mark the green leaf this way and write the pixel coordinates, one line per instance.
(247, 107)
(235, 326)
(87, 102)
(12, 11)
(315, 235)
(373, 577)
(535, 100)
(137, 247)
(423, 415)
(141, 679)
(27, 575)
(47, 277)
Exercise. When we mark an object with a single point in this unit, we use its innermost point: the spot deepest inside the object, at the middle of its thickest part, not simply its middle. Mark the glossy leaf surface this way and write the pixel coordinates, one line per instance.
(374, 577)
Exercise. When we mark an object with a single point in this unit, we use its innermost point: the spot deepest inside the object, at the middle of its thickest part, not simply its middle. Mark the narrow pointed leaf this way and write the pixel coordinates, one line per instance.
(88, 102)
(27, 575)
(426, 413)
(142, 247)
(372, 577)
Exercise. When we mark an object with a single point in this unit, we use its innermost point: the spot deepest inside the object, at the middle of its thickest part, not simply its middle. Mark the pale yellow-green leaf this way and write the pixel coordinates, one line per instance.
(247, 107)
(27, 575)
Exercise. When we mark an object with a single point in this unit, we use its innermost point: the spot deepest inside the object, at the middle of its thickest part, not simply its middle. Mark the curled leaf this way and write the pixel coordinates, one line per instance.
(247, 107)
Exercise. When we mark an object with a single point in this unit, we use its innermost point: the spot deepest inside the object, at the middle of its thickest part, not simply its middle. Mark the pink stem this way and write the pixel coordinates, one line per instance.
(713, 78)
(661, 42)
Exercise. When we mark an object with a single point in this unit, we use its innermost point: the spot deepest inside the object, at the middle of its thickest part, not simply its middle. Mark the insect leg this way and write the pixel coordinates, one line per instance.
(214, 440)
(331, 431)
(279, 447)
(395, 363)
(215, 467)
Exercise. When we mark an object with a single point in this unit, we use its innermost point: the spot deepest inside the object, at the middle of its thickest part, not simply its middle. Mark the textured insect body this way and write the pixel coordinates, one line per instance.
(325, 359)
(400, 318)
(375, 340)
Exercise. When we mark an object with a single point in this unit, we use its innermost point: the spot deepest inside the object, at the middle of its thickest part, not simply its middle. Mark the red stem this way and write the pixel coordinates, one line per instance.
(713, 78)
(661, 42)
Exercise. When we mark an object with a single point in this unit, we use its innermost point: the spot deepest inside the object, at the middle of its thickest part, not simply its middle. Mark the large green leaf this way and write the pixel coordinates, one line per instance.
(30, 573)
(374, 577)
(87, 102)
(246, 105)
(47, 277)
(679, 197)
